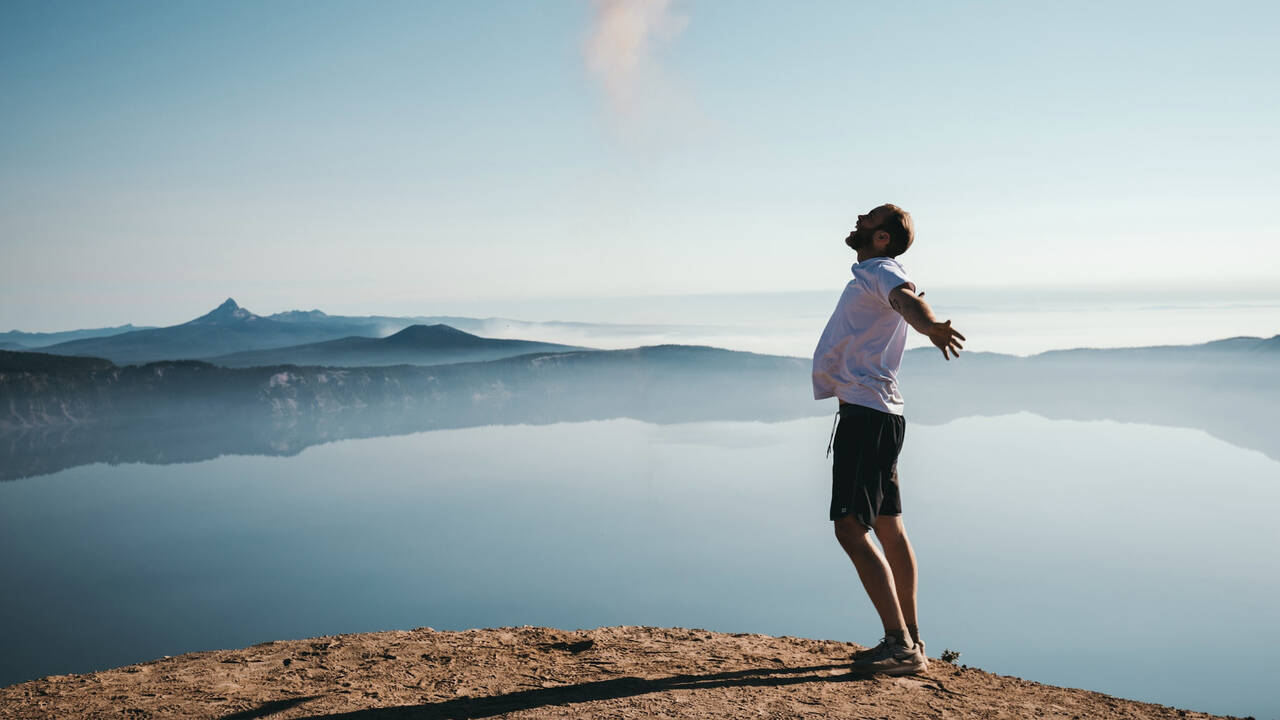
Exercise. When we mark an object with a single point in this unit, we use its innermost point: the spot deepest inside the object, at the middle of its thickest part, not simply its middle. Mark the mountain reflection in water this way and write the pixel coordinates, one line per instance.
(1229, 389)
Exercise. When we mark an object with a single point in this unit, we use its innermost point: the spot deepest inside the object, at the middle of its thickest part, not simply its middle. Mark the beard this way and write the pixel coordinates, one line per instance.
(858, 238)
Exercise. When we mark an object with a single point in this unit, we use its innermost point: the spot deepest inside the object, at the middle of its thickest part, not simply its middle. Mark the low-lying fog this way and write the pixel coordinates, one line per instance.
(1018, 322)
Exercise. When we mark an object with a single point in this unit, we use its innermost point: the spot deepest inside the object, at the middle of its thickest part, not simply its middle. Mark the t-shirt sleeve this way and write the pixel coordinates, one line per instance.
(889, 276)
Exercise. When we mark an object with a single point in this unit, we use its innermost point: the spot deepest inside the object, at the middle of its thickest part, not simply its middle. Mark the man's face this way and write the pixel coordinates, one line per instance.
(864, 229)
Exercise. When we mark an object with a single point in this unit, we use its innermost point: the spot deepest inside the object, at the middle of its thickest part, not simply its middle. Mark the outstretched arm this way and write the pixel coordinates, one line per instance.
(919, 315)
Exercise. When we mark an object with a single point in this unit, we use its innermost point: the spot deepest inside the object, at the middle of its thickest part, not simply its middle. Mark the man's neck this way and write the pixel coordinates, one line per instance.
(869, 254)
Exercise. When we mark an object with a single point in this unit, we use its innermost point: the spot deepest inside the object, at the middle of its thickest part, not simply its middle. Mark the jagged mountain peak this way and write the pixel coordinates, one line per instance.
(227, 312)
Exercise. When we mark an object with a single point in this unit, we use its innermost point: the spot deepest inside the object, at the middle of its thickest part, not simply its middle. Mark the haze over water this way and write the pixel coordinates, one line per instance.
(1018, 321)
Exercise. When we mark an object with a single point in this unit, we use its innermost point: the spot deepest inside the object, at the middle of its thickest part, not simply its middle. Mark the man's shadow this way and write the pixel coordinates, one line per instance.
(481, 707)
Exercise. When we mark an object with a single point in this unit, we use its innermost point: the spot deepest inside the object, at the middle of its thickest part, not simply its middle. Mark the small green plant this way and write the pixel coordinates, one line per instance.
(950, 656)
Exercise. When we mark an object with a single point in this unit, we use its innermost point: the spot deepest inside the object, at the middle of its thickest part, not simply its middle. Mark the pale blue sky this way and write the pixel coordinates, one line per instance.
(414, 157)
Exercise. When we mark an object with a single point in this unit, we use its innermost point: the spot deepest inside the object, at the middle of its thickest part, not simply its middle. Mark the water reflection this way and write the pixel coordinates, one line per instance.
(1091, 554)
(1238, 414)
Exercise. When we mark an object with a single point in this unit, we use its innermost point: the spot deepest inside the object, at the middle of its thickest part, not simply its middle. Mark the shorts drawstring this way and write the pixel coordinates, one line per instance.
(834, 422)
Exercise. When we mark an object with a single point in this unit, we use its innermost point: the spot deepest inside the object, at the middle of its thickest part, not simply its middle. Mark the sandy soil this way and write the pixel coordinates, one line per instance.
(531, 672)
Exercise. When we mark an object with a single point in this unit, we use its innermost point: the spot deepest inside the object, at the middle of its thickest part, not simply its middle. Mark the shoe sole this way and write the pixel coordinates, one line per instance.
(899, 670)
(903, 669)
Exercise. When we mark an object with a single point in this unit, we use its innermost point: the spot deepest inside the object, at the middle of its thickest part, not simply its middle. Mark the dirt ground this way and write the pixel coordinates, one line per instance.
(532, 672)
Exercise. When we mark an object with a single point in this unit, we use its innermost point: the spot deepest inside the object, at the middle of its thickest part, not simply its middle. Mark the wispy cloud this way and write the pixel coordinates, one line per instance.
(620, 54)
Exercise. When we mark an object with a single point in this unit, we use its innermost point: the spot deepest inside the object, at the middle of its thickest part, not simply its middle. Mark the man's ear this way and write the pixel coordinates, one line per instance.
(881, 240)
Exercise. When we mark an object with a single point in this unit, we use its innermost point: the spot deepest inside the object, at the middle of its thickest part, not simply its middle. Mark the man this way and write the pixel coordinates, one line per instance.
(857, 361)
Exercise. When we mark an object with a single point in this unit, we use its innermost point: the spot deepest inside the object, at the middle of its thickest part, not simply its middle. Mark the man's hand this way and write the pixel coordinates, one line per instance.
(945, 338)
(919, 315)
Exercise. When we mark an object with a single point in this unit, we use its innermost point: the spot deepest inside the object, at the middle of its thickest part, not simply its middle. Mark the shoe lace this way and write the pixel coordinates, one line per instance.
(889, 641)
(880, 647)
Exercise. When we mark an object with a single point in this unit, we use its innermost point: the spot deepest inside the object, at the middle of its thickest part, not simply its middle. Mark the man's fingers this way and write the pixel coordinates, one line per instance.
(949, 343)
(953, 331)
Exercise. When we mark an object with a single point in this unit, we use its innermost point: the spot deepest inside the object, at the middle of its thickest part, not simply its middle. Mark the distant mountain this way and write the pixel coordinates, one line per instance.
(668, 382)
(230, 329)
(1246, 354)
(415, 345)
(49, 364)
(383, 325)
(373, 325)
(1250, 348)
(226, 329)
(228, 313)
(58, 411)
(44, 339)
(311, 316)
(1229, 388)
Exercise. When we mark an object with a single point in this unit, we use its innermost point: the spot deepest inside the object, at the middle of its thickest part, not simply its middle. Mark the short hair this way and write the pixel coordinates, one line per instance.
(897, 222)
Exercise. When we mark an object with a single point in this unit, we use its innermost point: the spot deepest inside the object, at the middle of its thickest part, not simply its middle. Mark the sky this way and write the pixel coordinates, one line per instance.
(426, 158)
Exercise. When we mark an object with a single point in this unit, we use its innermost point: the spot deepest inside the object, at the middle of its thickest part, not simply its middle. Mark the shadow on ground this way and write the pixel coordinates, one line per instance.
(269, 708)
(480, 707)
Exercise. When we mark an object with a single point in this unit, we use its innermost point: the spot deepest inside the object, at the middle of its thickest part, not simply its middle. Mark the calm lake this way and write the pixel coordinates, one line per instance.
(1134, 560)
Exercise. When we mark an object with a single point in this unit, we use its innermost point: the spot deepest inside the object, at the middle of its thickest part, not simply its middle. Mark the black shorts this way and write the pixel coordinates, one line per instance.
(864, 468)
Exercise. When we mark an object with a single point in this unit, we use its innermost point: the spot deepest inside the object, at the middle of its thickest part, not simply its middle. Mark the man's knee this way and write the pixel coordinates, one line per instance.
(850, 531)
(889, 529)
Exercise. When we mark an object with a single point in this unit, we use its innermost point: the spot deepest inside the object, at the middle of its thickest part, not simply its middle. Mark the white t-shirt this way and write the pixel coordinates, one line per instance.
(860, 351)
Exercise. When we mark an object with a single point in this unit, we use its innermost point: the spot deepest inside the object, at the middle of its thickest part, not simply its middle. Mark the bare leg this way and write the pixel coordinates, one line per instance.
(872, 570)
(902, 561)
